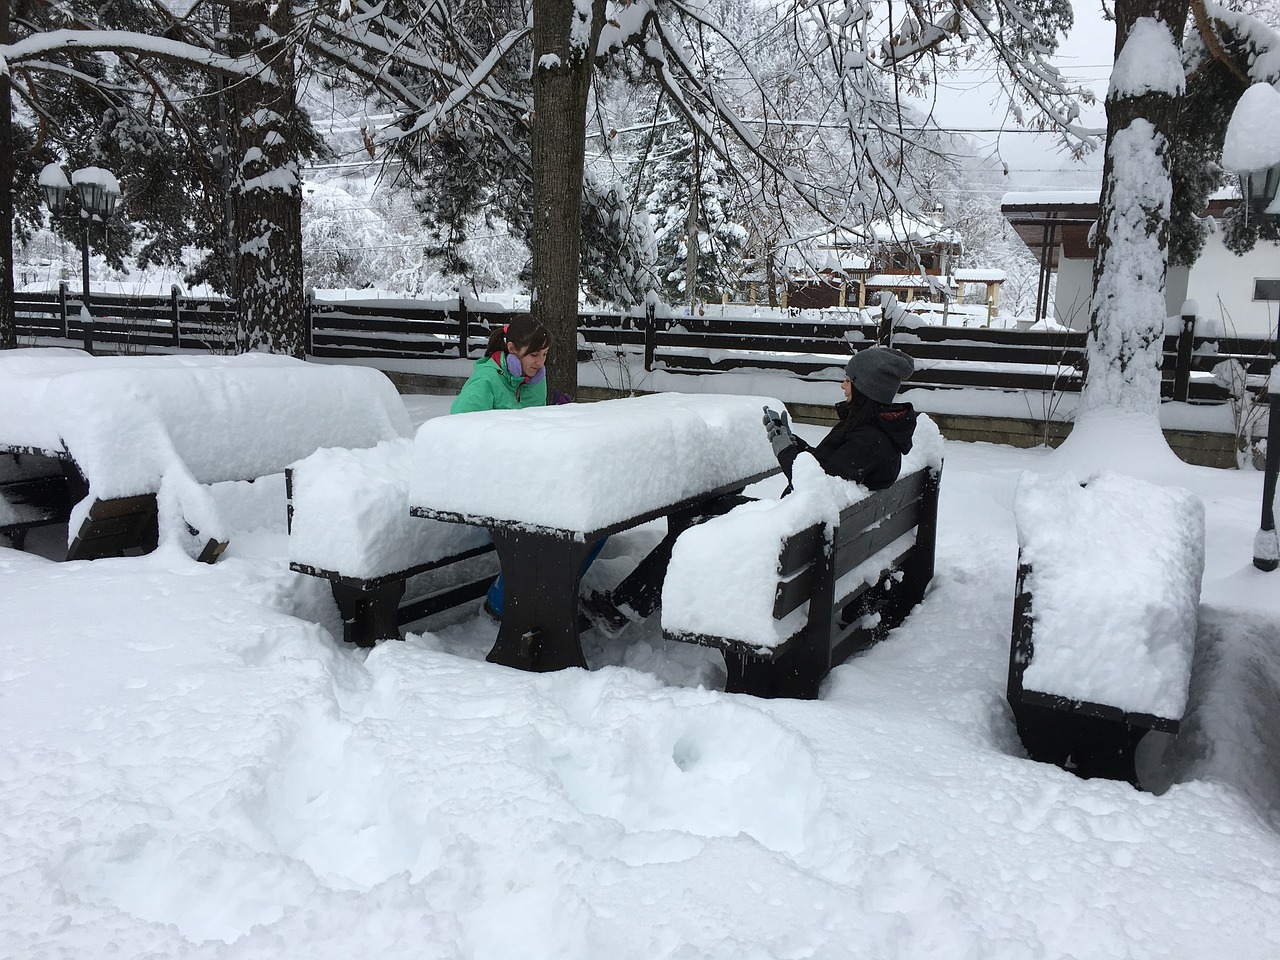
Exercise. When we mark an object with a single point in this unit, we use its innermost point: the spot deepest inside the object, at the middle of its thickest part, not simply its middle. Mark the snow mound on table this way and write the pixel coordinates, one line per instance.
(585, 466)
(724, 573)
(351, 514)
(168, 424)
(1115, 586)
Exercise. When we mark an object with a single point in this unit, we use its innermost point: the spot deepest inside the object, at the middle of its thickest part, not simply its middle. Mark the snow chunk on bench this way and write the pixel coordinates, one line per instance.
(1115, 589)
(723, 574)
(585, 466)
(351, 515)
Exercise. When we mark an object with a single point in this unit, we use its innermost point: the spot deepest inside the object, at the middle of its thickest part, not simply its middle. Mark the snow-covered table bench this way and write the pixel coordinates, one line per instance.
(1104, 619)
(789, 588)
(349, 523)
(549, 482)
(136, 438)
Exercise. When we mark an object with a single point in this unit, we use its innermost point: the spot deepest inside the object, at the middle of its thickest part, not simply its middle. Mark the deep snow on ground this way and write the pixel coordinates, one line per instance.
(196, 767)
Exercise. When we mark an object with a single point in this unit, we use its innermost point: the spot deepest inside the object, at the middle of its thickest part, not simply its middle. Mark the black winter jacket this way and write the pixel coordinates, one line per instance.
(870, 453)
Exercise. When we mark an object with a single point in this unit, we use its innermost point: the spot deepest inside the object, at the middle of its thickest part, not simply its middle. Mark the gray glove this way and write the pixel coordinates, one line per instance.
(778, 431)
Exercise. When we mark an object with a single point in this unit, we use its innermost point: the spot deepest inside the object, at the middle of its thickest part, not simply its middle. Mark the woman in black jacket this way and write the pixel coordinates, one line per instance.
(873, 433)
(866, 445)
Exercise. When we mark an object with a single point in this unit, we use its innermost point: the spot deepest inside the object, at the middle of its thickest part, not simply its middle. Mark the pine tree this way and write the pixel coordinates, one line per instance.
(687, 198)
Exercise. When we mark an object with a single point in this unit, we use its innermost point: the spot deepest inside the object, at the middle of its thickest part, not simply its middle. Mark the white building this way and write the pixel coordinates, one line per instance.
(1242, 294)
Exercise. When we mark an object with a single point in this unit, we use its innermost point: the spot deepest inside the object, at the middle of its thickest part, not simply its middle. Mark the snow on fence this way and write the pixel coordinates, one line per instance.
(812, 344)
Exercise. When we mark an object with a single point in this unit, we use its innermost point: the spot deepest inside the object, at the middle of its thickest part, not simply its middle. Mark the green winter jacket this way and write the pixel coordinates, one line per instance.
(491, 387)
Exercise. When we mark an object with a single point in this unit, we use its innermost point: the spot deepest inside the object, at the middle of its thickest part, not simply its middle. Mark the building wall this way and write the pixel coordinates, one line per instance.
(1220, 282)
(1222, 286)
(1072, 292)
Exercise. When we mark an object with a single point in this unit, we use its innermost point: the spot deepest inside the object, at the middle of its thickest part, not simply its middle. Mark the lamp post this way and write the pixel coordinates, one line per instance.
(1252, 150)
(98, 192)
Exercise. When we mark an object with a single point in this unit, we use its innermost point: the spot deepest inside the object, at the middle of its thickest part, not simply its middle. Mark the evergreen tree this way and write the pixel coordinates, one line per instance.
(688, 193)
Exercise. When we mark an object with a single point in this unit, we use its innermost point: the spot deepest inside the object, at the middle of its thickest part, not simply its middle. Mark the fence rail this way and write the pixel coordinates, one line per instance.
(132, 324)
(946, 356)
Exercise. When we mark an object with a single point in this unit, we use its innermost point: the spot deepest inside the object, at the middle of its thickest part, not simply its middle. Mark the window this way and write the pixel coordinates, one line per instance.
(1264, 289)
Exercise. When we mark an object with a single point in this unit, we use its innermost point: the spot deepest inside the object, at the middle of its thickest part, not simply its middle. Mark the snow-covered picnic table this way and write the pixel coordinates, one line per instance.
(135, 426)
(550, 482)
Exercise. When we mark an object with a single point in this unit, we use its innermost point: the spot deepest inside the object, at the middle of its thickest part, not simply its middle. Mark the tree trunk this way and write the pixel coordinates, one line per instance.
(266, 190)
(691, 231)
(8, 332)
(563, 56)
(1127, 317)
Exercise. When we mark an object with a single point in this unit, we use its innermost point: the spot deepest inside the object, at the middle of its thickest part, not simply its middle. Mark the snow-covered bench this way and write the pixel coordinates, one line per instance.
(1104, 620)
(789, 588)
(349, 523)
(137, 438)
(33, 493)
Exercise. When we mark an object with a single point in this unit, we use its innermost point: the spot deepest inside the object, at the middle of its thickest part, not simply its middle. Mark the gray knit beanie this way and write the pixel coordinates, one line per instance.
(878, 372)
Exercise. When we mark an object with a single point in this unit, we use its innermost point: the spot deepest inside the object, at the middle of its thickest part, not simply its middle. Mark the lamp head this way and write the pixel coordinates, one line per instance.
(54, 186)
(1259, 189)
(99, 191)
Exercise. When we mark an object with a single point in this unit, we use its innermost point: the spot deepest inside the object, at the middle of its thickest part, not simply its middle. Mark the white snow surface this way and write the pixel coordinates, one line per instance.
(584, 467)
(1149, 62)
(1126, 639)
(351, 514)
(1252, 141)
(125, 420)
(195, 767)
(103, 178)
(736, 557)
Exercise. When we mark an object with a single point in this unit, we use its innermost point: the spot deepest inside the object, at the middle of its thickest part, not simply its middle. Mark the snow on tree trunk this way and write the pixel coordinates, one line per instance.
(266, 191)
(8, 331)
(565, 33)
(1127, 319)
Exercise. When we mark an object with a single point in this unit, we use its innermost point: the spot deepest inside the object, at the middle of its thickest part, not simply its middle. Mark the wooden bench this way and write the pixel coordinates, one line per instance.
(374, 608)
(1090, 739)
(370, 591)
(842, 595)
(34, 487)
(1107, 652)
(45, 485)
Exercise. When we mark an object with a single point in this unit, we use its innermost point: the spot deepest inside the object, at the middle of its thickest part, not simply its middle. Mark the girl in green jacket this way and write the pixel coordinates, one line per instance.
(512, 373)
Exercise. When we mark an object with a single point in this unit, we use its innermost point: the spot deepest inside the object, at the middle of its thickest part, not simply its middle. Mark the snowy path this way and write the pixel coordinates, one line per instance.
(195, 768)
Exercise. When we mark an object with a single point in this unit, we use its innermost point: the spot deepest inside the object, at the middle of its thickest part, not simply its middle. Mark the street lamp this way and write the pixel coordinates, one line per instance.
(1252, 150)
(98, 193)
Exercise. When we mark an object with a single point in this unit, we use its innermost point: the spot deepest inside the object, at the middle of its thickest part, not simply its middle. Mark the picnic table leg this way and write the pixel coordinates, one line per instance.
(540, 577)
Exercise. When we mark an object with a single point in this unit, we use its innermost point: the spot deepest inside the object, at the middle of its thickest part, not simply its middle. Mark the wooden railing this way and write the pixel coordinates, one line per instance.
(130, 324)
(946, 356)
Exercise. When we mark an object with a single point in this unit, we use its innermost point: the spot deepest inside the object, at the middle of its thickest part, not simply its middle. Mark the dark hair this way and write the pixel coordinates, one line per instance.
(861, 410)
(521, 332)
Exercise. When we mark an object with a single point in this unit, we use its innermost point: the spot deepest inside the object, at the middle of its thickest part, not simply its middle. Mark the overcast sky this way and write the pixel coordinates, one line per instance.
(971, 100)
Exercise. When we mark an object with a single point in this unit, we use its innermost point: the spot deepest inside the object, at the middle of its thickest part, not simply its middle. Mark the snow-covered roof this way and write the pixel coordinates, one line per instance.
(904, 280)
(899, 228)
(974, 275)
(1047, 198)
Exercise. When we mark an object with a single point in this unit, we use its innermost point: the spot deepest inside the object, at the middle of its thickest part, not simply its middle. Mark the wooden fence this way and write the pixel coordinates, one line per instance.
(130, 324)
(946, 356)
